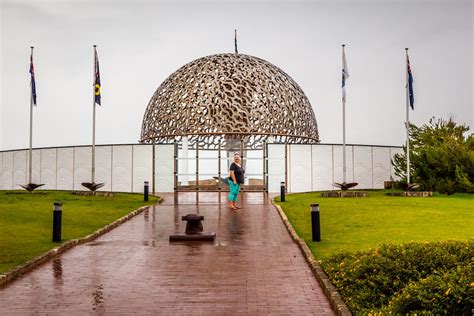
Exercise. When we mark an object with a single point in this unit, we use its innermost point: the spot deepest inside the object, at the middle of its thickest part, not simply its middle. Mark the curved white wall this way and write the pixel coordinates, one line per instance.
(124, 168)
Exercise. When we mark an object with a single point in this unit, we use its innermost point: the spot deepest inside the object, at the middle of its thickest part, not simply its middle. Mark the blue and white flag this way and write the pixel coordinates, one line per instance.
(345, 75)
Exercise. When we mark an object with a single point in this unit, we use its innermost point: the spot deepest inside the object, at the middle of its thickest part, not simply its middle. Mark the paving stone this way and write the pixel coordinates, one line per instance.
(253, 267)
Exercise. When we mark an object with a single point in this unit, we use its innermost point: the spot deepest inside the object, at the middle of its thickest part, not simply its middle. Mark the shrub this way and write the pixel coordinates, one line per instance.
(368, 281)
(449, 293)
(441, 157)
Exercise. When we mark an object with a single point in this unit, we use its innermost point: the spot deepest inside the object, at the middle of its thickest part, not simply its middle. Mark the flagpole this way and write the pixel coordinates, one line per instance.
(30, 165)
(343, 130)
(407, 125)
(93, 118)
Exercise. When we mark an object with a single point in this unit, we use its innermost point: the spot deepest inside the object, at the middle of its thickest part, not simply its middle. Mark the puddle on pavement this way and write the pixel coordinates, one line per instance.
(96, 243)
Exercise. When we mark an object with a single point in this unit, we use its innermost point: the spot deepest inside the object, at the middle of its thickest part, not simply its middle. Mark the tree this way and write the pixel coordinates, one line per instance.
(441, 157)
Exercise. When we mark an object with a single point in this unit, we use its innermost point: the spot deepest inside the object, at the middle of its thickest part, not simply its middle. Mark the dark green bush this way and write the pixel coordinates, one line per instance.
(441, 157)
(369, 281)
(449, 293)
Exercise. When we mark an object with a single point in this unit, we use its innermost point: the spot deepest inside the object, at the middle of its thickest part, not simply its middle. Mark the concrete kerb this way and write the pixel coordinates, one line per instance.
(329, 289)
(9, 276)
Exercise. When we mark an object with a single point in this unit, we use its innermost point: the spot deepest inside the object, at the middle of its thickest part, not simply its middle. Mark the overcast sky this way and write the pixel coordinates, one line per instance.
(140, 43)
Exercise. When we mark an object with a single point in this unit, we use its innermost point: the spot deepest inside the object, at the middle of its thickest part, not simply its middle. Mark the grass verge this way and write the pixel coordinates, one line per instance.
(393, 255)
(356, 224)
(26, 220)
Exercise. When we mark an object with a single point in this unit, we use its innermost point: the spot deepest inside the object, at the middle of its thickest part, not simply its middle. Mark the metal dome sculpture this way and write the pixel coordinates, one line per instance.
(226, 97)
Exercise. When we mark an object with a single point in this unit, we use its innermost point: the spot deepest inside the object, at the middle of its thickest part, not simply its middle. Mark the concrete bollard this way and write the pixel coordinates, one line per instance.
(57, 221)
(315, 222)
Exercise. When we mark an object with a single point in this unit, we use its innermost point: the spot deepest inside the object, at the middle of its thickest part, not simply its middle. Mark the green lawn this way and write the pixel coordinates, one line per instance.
(26, 220)
(353, 224)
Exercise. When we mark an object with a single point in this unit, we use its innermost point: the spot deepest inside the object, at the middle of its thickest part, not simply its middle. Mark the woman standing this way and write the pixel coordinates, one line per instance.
(235, 180)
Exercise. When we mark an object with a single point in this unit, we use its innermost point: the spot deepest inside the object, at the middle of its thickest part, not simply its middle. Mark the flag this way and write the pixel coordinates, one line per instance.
(97, 79)
(235, 42)
(345, 74)
(32, 82)
(410, 85)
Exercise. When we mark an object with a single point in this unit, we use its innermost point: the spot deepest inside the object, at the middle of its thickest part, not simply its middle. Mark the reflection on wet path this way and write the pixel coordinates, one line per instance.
(252, 267)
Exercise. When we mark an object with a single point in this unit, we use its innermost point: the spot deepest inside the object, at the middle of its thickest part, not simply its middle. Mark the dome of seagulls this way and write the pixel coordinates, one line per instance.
(226, 97)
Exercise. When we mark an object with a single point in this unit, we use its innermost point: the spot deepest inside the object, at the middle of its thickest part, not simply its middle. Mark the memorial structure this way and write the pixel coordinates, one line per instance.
(224, 97)
(194, 122)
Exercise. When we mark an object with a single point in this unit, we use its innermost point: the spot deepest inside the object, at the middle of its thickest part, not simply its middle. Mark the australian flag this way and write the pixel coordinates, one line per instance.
(32, 83)
(97, 79)
(410, 85)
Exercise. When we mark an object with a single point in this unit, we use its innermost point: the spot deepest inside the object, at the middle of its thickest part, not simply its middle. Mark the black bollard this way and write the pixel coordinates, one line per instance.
(145, 191)
(282, 191)
(315, 222)
(57, 219)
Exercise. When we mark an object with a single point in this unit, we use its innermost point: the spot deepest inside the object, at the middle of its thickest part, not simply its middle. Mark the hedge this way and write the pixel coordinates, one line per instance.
(413, 278)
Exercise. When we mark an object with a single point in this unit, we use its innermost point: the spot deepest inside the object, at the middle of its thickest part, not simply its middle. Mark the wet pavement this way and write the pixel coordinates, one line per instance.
(253, 267)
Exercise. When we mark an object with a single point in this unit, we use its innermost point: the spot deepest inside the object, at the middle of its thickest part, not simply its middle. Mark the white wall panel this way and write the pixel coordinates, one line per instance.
(142, 166)
(122, 168)
(7, 175)
(393, 152)
(82, 166)
(363, 167)
(322, 167)
(208, 164)
(48, 169)
(381, 156)
(338, 164)
(299, 170)
(65, 171)
(164, 168)
(35, 167)
(103, 167)
(20, 173)
(253, 166)
(276, 166)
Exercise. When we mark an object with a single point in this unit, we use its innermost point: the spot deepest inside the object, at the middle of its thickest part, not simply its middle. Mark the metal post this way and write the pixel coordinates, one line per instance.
(407, 119)
(345, 75)
(153, 169)
(315, 222)
(219, 172)
(282, 192)
(93, 120)
(175, 165)
(344, 168)
(57, 218)
(242, 161)
(30, 166)
(197, 166)
(286, 162)
(265, 188)
(146, 189)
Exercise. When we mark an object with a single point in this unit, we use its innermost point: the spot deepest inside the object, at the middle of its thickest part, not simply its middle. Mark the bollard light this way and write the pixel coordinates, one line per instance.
(282, 191)
(315, 222)
(146, 189)
(57, 219)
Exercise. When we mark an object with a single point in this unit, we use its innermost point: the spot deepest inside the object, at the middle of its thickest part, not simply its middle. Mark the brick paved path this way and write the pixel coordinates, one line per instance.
(253, 267)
